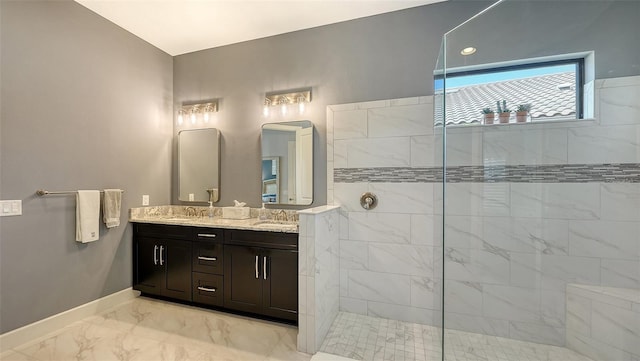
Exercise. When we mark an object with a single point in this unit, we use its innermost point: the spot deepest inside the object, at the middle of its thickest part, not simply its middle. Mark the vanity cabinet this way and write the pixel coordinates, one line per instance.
(241, 270)
(260, 274)
(162, 261)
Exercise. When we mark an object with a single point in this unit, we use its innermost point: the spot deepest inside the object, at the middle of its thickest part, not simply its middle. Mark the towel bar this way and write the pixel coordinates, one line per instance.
(42, 192)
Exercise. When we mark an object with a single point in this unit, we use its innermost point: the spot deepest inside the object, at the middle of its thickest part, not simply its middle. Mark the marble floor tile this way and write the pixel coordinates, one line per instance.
(286, 349)
(244, 334)
(146, 329)
(15, 356)
(361, 337)
(144, 317)
(86, 341)
(151, 330)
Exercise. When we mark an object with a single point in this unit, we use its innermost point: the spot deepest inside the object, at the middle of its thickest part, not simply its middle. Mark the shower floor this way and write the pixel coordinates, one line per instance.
(370, 338)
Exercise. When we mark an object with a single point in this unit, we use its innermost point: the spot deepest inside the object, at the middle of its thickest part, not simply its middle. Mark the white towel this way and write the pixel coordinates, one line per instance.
(87, 216)
(111, 207)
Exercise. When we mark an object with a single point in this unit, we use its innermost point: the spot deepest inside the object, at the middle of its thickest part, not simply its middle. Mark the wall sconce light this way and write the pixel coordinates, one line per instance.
(196, 111)
(181, 114)
(208, 110)
(285, 100)
(267, 105)
(193, 114)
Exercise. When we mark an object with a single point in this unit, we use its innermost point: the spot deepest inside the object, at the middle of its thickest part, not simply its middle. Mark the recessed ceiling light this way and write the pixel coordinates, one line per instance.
(468, 51)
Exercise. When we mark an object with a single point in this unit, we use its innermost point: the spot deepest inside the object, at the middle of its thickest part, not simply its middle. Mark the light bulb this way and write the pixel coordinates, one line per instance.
(193, 118)
(301, 107)
(206, 117)
(284, 109)
(468, 50)
(180, 118)
(265, 111)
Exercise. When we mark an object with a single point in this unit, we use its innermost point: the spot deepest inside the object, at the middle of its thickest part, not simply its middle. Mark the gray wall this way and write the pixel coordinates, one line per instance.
(85, 105)
(381, 57)
(528, 29)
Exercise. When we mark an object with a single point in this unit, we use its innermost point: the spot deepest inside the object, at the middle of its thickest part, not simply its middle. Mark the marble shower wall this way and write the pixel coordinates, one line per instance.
(387, 264)
(512, 244)
(603, 322)
(318, 275)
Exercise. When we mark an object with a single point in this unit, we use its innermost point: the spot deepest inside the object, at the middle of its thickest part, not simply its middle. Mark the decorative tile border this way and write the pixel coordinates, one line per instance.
(388, 174)
(556, 173)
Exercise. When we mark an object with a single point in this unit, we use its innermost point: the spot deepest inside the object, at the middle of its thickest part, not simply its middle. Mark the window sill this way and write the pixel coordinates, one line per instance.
(551, 123)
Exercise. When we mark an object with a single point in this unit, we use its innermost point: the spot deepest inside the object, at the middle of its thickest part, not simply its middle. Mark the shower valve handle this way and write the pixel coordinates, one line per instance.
(368, 200)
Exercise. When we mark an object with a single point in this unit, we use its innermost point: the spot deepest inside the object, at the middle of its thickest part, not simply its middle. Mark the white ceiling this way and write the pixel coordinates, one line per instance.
(184, 26)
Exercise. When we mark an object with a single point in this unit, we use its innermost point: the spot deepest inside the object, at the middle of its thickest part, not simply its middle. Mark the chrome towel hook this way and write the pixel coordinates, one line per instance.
(368, 201)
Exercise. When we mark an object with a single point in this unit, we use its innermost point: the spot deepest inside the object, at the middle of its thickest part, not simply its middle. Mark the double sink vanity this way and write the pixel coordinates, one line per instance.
(247, 265)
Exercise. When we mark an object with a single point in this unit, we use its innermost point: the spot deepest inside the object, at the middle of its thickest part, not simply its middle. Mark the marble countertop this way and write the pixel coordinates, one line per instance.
(176, 215)
(253, 224)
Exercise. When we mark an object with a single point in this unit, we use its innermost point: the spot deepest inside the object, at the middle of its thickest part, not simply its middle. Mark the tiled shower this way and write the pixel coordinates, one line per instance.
(512, 246)
(529, 250)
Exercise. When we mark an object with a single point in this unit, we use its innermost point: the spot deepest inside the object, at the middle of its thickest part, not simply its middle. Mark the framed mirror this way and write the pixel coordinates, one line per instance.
(199, 165)
(287, 163)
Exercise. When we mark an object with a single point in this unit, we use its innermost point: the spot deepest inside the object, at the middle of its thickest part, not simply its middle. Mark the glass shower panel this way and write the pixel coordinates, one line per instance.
(541, 253)
(438, 208)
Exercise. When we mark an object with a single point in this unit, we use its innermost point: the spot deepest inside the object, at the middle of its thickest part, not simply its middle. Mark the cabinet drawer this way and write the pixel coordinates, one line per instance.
(207, 289)
(276, 240)
(162, 230)
(208, 257)
(208, 234)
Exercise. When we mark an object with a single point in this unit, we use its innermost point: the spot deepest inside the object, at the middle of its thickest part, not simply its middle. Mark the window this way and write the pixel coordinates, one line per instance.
(554, 90)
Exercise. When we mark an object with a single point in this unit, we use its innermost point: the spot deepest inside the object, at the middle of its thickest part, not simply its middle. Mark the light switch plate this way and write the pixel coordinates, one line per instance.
(145, 200)
(10, 208)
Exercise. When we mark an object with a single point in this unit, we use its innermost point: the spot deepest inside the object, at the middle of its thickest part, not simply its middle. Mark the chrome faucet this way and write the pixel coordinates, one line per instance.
(281, 215)
(190, 212)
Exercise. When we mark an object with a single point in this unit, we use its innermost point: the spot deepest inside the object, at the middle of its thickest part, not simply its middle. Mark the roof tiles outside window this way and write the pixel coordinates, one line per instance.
(551, 96)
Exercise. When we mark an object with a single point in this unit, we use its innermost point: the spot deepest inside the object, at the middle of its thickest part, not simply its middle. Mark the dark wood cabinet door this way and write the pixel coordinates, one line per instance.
(242, 278)
(176, 258)
(148, 272)
(280, 286)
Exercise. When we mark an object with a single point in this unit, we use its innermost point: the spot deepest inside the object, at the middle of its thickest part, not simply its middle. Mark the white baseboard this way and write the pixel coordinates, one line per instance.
(40, 328)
